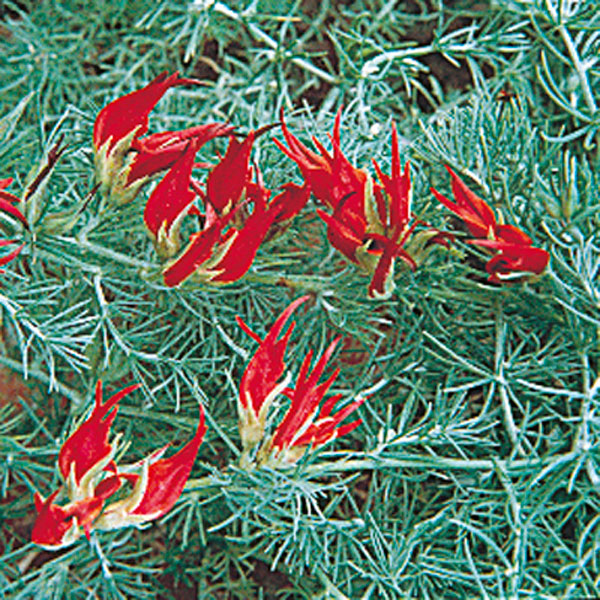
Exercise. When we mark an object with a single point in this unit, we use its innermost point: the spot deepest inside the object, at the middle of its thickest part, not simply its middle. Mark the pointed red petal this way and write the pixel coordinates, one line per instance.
(267, 366)
(290, 202)
(167, 476)
(226, 182)
(88, 444)
(197, 252)
(305, 398)
(120, 117)
(477, 214)
(172, 195)
(514, 258)
(51, 523)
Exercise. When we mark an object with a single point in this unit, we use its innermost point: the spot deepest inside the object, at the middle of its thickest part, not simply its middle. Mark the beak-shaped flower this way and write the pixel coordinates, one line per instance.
(157, 488)
(87, 451)
(477, 216)
(228, 180)
(370, 224)
(127, 116)
(59, 526)
(331, 176)
(261, 382)
(159, 151)
(303, 424)
(337, 184)
(92, 479)
(516, 255)
(124, 160)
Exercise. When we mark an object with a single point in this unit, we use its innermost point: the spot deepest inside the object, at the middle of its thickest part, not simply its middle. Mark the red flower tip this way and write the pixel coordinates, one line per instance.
(303, 424)
(289, 202)
(7, 205)
(330, 176)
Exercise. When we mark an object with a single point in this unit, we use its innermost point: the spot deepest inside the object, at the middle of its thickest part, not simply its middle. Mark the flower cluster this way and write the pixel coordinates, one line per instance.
(100, 494)
(516, 254)
(304, 424)
(370, 223)
(236, 214)
(368, 219)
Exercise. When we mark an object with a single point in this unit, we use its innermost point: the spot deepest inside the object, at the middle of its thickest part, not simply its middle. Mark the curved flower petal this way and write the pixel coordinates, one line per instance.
(172, 196)
(267, 365)
(130, 112)
(478, 217)
(227, 181)
(88, 444)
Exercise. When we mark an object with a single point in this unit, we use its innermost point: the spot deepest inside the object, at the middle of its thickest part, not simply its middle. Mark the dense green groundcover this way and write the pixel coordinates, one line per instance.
(475, 472)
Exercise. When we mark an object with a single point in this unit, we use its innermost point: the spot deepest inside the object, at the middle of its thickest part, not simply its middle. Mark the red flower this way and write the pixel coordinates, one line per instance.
(304, 423)
(127, 116)
(86, 463)
(87, 449)
(124, 160)
(478, 217)
(516, 254)
(224, 249)
(331, 177)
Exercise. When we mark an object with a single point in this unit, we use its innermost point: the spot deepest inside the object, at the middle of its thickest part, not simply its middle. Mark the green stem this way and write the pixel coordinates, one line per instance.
(581, 71)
